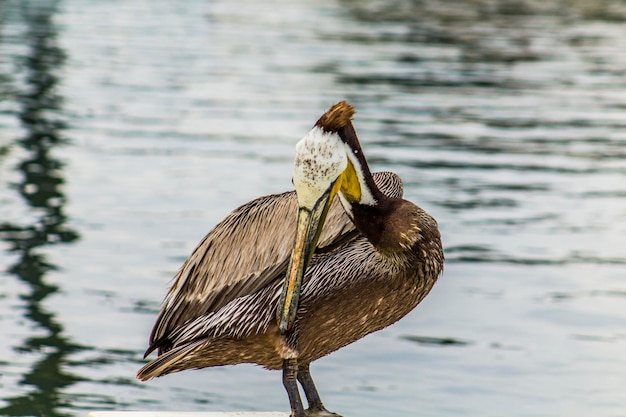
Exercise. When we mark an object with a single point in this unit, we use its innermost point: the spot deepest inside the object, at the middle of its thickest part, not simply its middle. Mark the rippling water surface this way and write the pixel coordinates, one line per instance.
(129, 128)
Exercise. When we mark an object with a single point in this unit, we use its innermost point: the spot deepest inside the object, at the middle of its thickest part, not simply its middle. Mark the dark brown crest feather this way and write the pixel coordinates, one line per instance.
(336, 117)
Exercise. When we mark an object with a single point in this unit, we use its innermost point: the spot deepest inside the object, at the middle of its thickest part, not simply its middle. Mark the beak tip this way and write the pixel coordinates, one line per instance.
(284, 325)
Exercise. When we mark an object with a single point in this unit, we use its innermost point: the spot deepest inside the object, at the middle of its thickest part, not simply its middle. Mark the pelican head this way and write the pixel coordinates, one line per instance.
(324, 165)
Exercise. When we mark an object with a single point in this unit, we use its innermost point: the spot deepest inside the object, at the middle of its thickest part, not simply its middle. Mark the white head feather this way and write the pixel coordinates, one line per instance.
(320, 160)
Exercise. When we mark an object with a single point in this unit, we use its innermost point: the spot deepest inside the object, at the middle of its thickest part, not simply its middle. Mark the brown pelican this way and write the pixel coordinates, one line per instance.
(289, 278)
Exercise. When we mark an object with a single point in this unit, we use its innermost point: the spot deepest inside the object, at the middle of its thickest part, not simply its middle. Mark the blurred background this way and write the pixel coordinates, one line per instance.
(128, 129)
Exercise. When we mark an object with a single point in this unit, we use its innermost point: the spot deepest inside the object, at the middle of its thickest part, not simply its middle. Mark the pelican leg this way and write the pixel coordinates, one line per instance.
(290, 375)
(316, 408)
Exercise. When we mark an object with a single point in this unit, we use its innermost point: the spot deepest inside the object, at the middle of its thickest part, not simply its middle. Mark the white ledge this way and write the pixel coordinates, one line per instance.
(187, 414)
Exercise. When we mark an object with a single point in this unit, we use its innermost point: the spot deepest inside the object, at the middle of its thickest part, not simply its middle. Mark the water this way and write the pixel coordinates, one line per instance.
(129, 128)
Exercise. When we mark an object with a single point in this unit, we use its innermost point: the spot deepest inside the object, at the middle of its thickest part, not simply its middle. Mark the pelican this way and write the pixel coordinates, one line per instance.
(289, 278)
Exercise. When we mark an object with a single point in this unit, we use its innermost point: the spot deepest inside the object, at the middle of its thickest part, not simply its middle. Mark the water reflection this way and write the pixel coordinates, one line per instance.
(41, 188)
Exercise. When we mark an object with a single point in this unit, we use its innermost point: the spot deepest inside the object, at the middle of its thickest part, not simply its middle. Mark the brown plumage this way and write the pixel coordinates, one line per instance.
(221, 307)
(243, 256)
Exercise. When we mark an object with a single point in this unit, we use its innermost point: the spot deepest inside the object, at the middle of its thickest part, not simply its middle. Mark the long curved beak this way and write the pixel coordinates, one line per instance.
(309, 228)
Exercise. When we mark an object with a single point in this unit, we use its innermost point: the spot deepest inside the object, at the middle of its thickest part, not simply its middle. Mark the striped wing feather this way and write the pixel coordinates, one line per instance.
(244, 253)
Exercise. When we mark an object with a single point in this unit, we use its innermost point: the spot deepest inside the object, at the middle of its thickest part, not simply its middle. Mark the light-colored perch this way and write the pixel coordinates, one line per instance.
(187, 414)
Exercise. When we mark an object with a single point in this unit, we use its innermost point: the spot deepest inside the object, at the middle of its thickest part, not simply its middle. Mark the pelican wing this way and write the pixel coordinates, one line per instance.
(244, 253)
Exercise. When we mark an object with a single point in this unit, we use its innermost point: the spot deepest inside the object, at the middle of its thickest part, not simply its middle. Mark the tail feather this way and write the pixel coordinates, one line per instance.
(169, 362)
